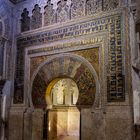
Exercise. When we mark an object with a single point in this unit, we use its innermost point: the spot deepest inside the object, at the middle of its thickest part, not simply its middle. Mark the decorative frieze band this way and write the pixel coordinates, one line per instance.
(83, 28)
(63, 12)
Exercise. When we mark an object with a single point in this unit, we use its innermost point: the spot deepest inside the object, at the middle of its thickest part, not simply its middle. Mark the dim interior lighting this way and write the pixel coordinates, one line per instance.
(49, 126)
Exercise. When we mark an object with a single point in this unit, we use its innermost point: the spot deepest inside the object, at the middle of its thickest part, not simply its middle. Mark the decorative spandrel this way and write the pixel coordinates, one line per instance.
(36, 21)
(77, 8)
(25, 21)
(49, 14)
(110, 4)
(93, 6)
(85, 83)
(63, 13)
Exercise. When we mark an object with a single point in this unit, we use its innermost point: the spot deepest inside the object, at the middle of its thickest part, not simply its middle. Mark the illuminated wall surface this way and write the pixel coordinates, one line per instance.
(65, 92)
(64, 124)
(74, 66)
(64, 121)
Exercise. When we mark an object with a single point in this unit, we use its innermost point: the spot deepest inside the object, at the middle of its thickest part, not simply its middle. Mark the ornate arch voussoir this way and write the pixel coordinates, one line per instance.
(71, 66)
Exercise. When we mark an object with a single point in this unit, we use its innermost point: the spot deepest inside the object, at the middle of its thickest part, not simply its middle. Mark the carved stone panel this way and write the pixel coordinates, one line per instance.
(77, 8)
(25, 21)
(36, 21)
(93, 6)
(110, 4)
(62, 11)
(49, 14)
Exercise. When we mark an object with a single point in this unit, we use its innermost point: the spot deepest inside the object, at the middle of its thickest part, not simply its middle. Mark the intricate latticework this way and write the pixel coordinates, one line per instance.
(36, 17)
(62, 11)
(93, 6)
(110, 4)
(25, 21)
(77, 8)
(49, 14)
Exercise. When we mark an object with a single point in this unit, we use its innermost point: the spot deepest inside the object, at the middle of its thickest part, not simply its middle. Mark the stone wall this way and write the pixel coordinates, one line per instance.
(6, 55)
(6, 37)
(47, 50)
(135, 61)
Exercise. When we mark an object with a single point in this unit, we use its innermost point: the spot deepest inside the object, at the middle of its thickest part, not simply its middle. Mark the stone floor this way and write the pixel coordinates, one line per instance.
(67, 138)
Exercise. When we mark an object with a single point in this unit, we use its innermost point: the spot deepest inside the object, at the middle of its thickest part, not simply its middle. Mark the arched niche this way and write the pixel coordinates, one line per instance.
(62, 92)
(61, 66)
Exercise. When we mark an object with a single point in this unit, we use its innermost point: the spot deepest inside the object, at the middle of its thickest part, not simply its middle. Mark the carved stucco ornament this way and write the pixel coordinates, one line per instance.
(36, 20)
(25, 20)
(49, 14)
(93, 6)
(110, 4)
(62, 11)
(77, 8)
